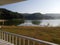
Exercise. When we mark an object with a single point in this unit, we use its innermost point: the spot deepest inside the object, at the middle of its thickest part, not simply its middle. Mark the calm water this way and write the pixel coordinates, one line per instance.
(54, 22)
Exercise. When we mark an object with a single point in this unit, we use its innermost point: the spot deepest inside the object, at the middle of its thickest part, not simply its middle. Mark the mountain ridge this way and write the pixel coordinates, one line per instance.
(7, 14)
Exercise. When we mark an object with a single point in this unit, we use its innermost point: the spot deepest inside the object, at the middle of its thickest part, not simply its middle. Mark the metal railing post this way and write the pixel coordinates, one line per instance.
(28, 42)
(33, 42)
(12, 38)
(24, 41)
(4, 36)
(16, 40)
(9, 38)
(19, 41)
(0, 35)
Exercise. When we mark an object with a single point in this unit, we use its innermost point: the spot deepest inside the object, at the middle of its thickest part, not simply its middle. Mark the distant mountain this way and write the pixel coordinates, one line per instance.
(55, 16)
(36, 16)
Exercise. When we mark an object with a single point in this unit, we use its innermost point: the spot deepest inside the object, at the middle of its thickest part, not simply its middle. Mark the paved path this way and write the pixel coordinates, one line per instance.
(2, 42)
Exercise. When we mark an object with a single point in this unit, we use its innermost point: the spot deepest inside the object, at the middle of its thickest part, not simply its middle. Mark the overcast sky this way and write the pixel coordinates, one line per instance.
(32, 6)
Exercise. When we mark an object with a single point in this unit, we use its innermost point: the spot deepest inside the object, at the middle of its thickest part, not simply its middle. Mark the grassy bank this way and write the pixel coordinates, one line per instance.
(51, 34)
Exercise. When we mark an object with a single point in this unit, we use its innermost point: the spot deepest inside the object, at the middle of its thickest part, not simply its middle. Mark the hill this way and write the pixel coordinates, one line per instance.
(7, 14)
(36, 16)
(55, 16)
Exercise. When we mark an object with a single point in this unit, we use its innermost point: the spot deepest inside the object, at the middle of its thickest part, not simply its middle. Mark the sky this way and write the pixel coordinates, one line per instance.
(33, 6)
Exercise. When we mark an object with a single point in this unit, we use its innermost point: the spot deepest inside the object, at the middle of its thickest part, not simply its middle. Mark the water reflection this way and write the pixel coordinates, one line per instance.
(55, 22)
(51, 23)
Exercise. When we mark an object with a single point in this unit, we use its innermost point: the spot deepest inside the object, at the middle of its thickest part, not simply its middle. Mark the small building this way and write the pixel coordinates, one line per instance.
(2, 20)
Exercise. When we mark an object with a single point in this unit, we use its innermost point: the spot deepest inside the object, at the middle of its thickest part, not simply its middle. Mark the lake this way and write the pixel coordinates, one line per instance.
(50, 22)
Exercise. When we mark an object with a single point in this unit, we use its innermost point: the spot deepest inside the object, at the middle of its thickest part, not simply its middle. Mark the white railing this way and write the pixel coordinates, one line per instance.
(22, 40)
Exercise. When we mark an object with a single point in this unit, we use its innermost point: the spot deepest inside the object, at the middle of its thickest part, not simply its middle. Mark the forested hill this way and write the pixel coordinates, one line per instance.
(7, 14)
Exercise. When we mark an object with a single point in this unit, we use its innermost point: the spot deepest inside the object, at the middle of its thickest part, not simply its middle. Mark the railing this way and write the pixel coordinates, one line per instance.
(22, 40)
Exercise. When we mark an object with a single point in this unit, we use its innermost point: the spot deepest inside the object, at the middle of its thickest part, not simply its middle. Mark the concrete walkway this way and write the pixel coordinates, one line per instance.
(2, 42)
